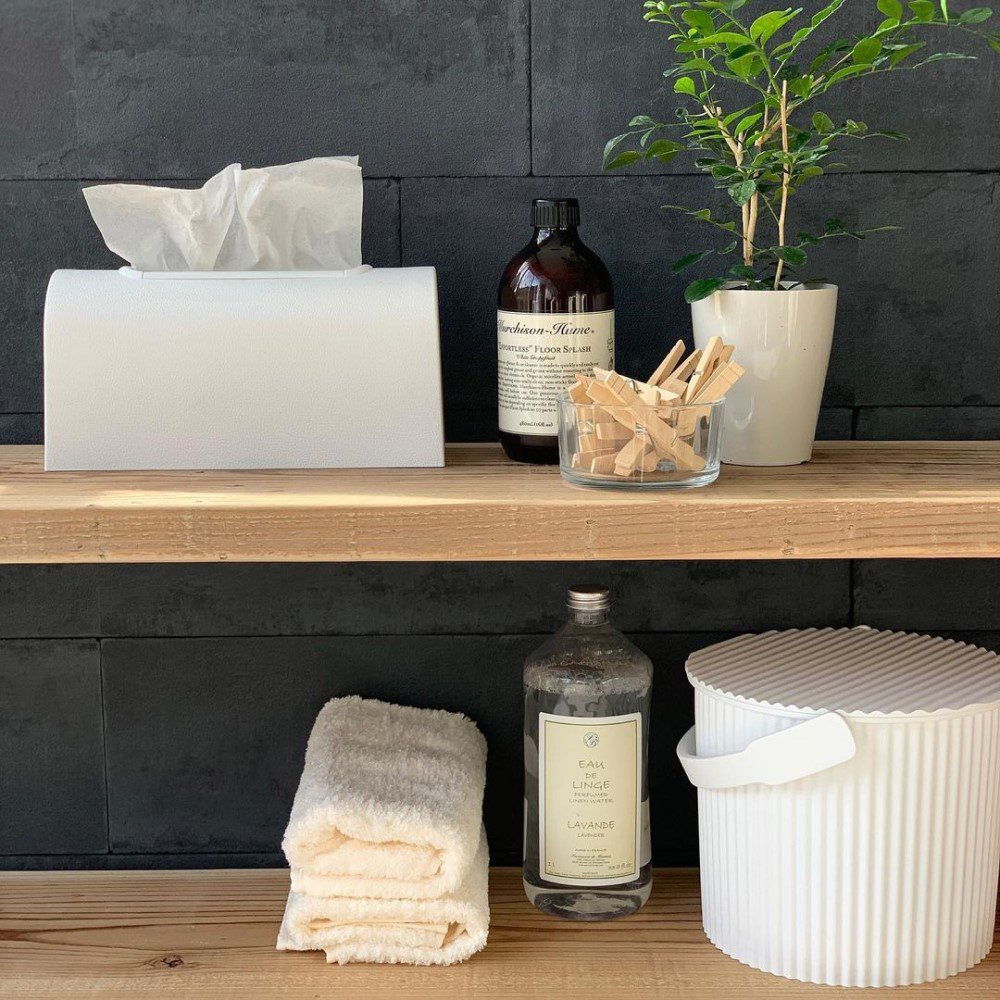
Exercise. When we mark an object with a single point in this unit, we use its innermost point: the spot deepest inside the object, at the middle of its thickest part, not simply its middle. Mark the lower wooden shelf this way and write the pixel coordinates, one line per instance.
(210, 935)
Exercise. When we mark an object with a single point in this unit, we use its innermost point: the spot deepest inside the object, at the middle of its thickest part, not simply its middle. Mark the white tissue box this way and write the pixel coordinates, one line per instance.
(242, 370)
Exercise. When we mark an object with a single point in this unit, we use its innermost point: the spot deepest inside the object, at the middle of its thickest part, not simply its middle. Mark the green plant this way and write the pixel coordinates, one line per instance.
(764, 150)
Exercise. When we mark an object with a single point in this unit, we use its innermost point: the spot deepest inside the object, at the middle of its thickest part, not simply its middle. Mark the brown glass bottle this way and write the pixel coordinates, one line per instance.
(555, 317)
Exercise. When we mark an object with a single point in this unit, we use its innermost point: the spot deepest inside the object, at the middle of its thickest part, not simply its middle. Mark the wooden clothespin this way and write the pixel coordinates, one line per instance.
(683, 371)
(720, 382)
(708, 358)
(723, 377)
(637, 454)
(668, 364)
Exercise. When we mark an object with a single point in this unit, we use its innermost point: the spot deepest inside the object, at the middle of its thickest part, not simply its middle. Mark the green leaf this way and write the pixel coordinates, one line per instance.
(923, 10)
(724, 38)
(944, 10)
(703, 215)
(822, 123)
(940, 56)
(698, 65)
(901, 53)
(866, 51)
(639, 120)
(663, 150)
(767, 24)
(847, 71)
(747, 123)
(685, 85)
(611, 145)
(623, 159)
(832, 226)
(820, 16)
(741, 193)
(722, 171)
(733, 115)
(828, 52)
(792, 256)
(740, 51)
(976, 15)
(994, 41)
(891, 8)
(700, 20)
(688, 259)
(743, 271)
(810, 171)
(702, 288)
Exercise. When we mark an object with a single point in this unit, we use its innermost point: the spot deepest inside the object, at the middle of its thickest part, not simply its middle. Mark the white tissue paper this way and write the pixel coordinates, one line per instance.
(296, 217)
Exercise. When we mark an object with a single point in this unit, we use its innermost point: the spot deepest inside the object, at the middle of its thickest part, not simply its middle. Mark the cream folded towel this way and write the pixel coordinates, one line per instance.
(389, 804)
(413, 931)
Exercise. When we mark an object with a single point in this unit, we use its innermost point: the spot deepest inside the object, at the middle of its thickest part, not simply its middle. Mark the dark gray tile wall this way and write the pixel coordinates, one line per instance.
(171, 731)
(52, 788)
(594, 67)
(178, 90)
(156, 716)
(461, 113)
(456, 598)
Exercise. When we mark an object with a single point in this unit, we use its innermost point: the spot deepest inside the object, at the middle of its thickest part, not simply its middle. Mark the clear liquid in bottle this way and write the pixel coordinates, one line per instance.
(586, 798)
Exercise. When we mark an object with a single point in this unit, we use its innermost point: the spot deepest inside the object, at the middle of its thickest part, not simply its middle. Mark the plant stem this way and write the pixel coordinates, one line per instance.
(736, 148)
(786, 176)
(750, 224)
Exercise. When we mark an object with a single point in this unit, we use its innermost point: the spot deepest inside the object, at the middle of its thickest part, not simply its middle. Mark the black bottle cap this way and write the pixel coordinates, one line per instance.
(555, 213)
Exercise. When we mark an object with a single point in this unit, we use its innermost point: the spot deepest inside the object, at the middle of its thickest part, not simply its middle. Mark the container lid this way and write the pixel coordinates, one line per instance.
(555, 213)
(858, 671)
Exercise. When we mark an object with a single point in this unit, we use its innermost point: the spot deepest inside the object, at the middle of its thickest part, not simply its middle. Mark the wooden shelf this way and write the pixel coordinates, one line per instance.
(210, 935)
(854, 500)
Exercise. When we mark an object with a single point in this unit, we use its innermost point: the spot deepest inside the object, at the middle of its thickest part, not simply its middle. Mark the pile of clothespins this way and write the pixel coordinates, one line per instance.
(629, 427)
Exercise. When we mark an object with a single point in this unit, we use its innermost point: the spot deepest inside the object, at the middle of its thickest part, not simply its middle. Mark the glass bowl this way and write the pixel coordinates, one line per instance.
(640, 445)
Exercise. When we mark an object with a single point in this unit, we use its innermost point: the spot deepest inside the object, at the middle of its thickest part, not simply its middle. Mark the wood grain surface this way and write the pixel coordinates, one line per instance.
(854, 500)
(210, 934)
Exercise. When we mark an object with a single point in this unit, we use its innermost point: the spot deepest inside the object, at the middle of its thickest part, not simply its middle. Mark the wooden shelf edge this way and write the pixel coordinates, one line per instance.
(210, 935)
(855, 500)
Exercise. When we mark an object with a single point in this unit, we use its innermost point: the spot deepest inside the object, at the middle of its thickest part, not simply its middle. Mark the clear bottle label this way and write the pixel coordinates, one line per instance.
(589, 799)
(537, 356)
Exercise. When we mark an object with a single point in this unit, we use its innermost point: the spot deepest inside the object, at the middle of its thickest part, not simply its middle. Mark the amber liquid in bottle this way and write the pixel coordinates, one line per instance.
(555, 317)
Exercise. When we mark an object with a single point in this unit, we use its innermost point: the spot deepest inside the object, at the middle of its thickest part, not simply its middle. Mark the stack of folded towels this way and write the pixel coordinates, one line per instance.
(386, 844)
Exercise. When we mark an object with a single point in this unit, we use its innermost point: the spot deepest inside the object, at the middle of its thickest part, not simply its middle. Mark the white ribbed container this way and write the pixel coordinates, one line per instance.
(863, 848)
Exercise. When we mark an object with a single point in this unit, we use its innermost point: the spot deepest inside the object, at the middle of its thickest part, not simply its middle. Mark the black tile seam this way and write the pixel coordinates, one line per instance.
(76, 89)
(104, 741)
(531, 97)
(148, 178)
(856, 408)
(140, 854)
(145, 637)
(399, 224)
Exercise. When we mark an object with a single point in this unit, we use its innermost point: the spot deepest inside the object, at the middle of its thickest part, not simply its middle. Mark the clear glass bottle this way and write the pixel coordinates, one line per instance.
(586, 798)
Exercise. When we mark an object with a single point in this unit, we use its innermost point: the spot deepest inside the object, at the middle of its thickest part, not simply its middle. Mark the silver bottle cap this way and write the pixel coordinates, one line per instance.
(589, 598)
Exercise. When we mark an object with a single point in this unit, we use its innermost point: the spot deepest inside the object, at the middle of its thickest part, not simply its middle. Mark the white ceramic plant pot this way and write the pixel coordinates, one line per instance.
(783, 340)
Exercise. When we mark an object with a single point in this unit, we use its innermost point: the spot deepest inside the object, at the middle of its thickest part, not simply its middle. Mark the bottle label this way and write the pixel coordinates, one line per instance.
(537, 356)
(589, 799)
